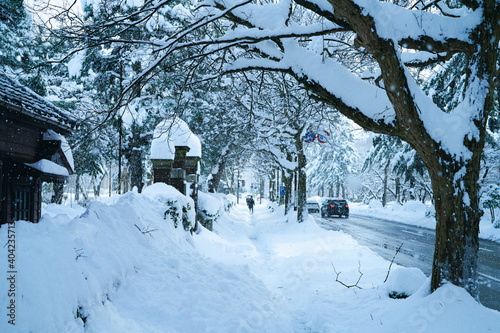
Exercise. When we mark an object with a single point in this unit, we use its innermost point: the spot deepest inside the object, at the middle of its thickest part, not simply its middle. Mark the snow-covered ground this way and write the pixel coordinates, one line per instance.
(93, 270)
(419, 214)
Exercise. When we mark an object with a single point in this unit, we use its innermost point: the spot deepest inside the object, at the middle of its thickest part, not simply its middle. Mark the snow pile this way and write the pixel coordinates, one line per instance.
(112, 258)
(403, 282)
(411, 212)
(213, 204)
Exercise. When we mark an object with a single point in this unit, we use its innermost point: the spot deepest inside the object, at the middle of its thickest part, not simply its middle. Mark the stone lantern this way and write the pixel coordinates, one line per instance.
(175, 155)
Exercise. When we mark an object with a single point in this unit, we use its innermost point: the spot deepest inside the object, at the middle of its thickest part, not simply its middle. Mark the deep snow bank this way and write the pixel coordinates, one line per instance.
(68, 266)
(95, 266)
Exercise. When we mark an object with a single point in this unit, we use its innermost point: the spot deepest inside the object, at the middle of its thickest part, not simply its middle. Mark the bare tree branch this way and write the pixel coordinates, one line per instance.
(389, 270)
(351, 285)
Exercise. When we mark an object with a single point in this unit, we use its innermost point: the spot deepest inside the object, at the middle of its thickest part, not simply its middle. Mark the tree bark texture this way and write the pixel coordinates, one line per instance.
(213, 183)
(57, 197)
(287, 176)
(301, 186)
(386, 180)
(135, 159)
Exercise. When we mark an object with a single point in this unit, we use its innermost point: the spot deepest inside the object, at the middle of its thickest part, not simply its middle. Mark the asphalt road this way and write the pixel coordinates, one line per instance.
(384, 237)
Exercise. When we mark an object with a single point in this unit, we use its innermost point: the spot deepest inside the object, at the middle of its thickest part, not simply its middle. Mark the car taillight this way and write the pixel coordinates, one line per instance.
(333, 206)
(347, 206)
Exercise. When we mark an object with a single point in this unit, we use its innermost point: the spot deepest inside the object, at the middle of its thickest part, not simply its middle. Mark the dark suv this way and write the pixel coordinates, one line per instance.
(330, 207)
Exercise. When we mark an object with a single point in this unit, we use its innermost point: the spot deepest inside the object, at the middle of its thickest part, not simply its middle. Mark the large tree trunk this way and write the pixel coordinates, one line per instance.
(77, 188)
(455, 181)
(272, 189)
(217, 170)
(287, 179)
(302, 177)
(135, 159)
(386, 180)
(57, 197)
(455, 187)
(301, 187)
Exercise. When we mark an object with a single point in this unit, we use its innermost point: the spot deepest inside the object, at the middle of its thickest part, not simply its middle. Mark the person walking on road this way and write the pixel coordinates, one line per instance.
(250, 204)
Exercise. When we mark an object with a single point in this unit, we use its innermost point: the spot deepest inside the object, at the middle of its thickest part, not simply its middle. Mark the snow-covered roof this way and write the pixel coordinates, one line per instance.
(15, 95)
(66, 149)
(49, 167)
(171, 133)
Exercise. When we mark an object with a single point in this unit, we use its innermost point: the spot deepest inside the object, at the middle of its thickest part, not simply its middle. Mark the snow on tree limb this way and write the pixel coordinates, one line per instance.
(404, 25)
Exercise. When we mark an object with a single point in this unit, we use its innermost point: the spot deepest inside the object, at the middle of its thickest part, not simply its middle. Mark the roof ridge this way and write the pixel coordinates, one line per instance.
(17, 95)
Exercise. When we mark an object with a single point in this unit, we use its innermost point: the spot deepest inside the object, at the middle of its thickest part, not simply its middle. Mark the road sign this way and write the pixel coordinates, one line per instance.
(282, 190)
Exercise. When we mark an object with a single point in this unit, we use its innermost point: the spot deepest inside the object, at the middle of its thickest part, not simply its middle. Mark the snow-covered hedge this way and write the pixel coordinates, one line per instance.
(212, 205)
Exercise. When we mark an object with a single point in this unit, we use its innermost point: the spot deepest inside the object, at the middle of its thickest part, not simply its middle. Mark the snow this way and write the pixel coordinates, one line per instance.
(75, 64)
(171, 133)
(254, 273)
(49, 167)
(210, 203)
(14, 94)
(397, 23)
(361, 96)
(65, 148)
(418, 57)
(449, 129)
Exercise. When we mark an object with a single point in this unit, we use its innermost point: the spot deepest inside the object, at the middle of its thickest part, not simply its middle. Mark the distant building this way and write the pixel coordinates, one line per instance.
(32, 150)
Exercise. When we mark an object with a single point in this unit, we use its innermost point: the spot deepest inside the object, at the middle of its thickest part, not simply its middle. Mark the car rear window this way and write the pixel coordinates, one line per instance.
(338, 202)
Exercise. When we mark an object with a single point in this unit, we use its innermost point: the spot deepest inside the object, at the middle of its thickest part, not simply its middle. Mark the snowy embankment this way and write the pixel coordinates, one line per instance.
(419, 214)
(124, 267)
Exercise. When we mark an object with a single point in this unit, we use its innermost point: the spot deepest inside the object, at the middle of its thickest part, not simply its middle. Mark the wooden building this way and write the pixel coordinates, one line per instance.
(32, 149)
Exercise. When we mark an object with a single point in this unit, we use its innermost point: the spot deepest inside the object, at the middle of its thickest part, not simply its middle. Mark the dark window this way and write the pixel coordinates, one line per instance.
(2, 199)
(21, 203)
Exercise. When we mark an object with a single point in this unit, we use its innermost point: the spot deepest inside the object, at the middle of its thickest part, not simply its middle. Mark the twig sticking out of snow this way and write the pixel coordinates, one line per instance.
(395, 254)
(146, 230)
(352, 285)
(79, 253)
